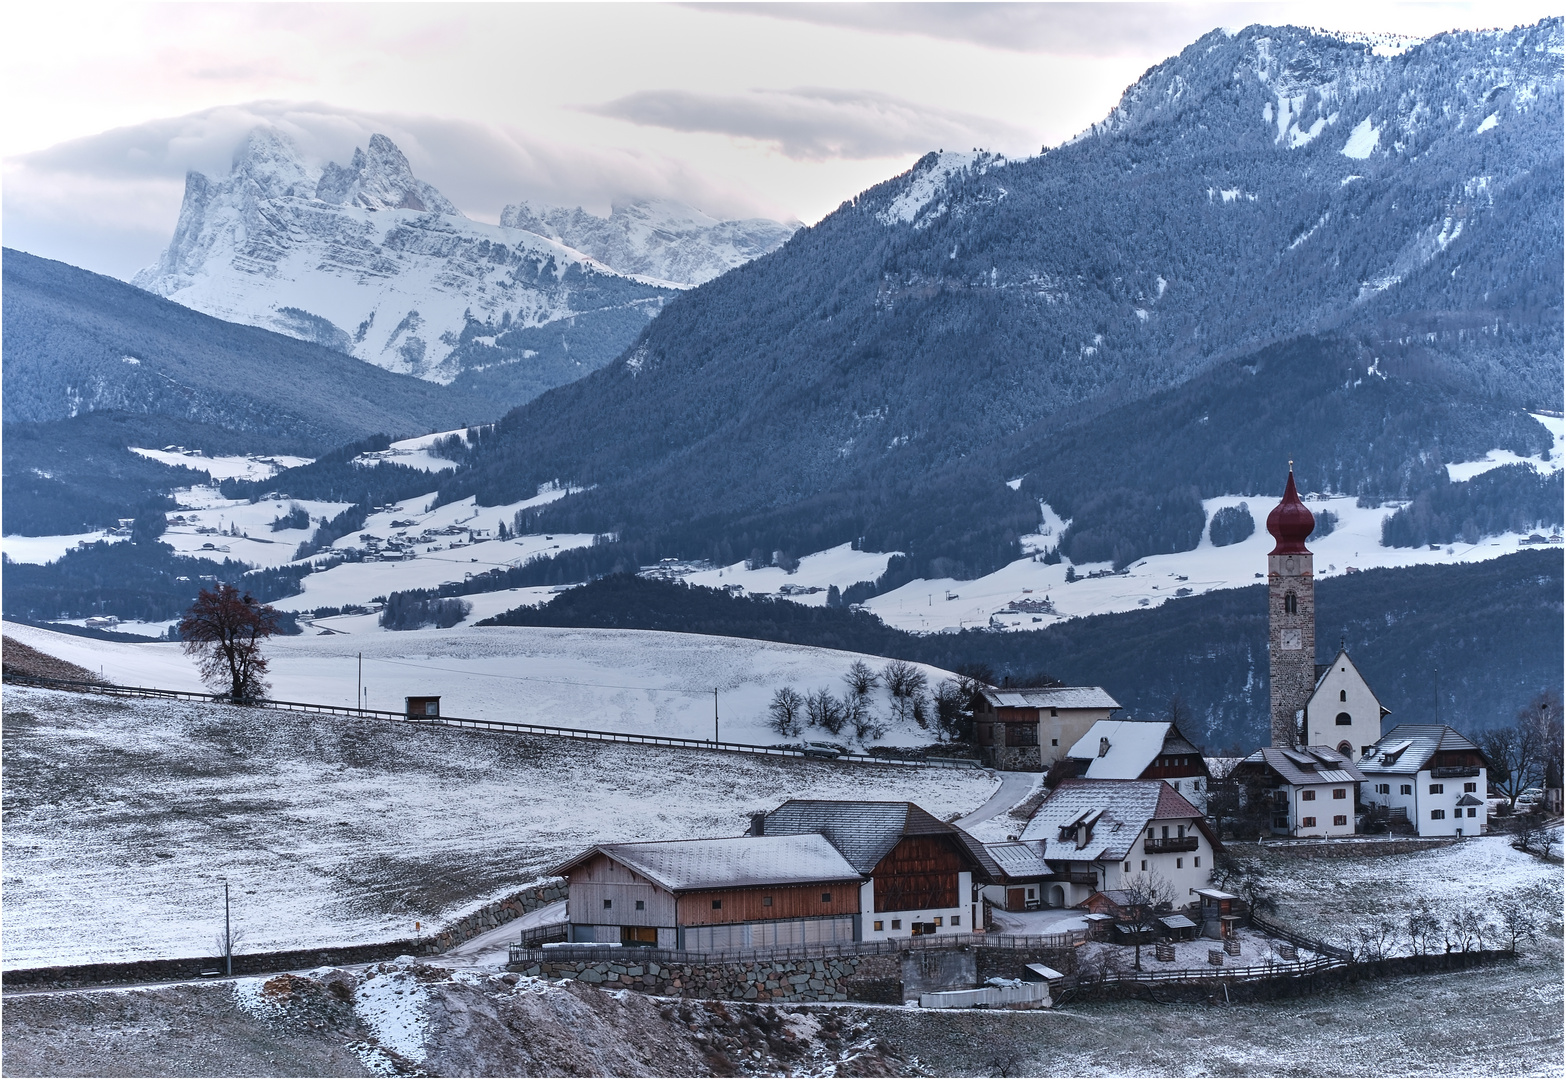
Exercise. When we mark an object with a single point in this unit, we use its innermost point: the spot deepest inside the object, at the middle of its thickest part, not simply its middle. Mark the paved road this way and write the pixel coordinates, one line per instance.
(1015, 786)
(489, 950)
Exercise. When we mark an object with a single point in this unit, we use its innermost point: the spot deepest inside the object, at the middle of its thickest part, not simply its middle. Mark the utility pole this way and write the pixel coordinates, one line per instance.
(228, 937)
(1437, 680)
(714, 716)
(358, 697)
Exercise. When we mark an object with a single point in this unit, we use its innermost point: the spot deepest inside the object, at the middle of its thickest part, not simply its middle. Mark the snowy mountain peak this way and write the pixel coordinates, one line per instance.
(370, 260)
(657, 238)
(380, 180)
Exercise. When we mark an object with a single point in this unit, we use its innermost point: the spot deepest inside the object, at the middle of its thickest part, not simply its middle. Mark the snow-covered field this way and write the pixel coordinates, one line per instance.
(637, 681)
(226, 467)
(123, 817)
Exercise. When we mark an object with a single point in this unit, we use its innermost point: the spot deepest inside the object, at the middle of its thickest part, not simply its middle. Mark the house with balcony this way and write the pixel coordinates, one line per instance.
(810, 872)
(1142, 750)
(1308, 792)
(1430, 775)
(1093, 836)
(1029, 728)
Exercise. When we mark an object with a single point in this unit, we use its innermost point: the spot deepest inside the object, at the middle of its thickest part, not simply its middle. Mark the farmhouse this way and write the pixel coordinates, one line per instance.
(1430, 775)
(917, 872)
(1099, 835)
(807, 873)
(1311, 791)
(1142, 750)
(1030, 728)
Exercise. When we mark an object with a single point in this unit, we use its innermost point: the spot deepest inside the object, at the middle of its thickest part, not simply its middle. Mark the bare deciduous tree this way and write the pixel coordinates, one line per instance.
(861, 679)
(825, 711)
(1148, 896)
(1422, 926)
(786, 712)
(223, 631)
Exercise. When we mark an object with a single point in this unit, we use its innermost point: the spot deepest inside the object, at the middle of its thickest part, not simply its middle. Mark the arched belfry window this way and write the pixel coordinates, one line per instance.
(1290, 604)
(1346, 749)
(1344, 719)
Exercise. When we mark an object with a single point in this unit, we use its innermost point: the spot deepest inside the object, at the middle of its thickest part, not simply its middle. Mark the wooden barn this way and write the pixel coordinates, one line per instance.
(735, 892)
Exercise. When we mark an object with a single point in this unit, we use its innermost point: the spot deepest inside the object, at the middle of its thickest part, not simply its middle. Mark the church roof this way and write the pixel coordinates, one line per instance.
(1290, 522)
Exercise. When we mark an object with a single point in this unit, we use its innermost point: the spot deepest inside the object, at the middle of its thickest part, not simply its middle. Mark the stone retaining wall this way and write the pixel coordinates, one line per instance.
(844, 978)
(496, 914)
(466, 928)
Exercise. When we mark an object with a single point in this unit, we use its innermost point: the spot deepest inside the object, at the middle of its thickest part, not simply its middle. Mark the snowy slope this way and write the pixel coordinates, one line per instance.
(369, 260)
(660, 239)
(121, 822)
(639, 681)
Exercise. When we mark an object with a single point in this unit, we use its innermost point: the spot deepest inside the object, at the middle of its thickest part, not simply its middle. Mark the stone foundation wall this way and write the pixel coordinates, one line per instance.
(844, 978)
(997, 963)
(466, 928)
(1343, 849)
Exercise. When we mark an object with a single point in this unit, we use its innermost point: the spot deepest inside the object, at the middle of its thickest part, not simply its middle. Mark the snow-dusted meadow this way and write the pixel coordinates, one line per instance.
(636, 681)
(123, 817)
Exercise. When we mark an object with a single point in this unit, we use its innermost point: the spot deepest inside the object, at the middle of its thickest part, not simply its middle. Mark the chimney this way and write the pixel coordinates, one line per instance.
(1103, 746)
(758, 825)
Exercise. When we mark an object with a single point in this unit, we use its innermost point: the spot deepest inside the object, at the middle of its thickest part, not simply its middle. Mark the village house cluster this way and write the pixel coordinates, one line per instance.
(1124, 818)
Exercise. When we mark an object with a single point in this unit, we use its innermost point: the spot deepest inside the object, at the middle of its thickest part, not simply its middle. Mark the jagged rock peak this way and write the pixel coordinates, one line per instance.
(657, 238)
(270, 165)
(380, 180)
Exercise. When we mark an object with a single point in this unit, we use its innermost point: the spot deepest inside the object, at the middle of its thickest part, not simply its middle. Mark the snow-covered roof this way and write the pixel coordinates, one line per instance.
(1123, 808)
(1312, 765)
(728, 863)
(1408, 748)
(1051, 697)
(866, 831)
(1020, 858)
(1120, 749)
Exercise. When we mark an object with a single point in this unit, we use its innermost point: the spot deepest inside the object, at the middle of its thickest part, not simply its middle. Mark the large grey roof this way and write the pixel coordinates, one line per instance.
(866, 831)
(1051, 697)
(729, 862)
(1119, 809)
(1422, 741)
(1132, 745)
(1312, 765)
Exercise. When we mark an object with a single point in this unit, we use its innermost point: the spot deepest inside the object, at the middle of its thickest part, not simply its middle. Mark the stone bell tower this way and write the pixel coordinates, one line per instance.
(1291, 614)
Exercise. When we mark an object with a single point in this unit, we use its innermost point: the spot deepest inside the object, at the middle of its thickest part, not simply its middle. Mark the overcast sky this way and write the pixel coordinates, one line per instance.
(780, 110)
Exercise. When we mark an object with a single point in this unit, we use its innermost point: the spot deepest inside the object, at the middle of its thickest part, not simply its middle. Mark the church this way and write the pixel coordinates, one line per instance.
(1323, 716)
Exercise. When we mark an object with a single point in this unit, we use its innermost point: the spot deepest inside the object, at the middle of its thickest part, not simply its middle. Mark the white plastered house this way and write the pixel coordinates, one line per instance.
(1431, 775)
(1097, 835)
(1310, 791)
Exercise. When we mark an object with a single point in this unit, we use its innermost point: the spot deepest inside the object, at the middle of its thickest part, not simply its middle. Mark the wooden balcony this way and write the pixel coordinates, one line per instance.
(1174, 843)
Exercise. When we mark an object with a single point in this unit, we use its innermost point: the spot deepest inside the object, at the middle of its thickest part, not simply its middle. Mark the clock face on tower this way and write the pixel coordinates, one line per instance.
(1291, 639)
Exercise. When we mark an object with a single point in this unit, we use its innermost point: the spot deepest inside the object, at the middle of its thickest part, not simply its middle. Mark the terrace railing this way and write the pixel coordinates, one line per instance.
(509, 726)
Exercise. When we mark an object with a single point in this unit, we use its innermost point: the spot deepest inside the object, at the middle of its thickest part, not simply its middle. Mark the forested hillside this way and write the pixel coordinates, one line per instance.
(1278, 246)
(1493, 630)
(93, 365)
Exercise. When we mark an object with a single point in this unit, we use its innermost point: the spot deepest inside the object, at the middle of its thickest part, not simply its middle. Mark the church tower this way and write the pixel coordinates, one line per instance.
(1291, 614)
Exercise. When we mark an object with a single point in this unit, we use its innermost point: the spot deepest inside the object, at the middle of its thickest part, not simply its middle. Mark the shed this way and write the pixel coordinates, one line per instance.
(1219, 912)
(423, 708)
(1178, 927)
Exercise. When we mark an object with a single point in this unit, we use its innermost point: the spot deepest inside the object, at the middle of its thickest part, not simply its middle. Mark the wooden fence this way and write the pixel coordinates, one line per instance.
(506, 726)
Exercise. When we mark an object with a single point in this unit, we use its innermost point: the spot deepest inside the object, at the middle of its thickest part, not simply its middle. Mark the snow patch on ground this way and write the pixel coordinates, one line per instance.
(395, 1007)
(927, 184)
(1548, 463)
(1362, 141)
(46, 549)
(230, 467)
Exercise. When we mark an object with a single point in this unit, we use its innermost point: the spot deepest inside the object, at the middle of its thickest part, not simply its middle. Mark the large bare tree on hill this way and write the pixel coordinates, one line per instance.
(223, 631)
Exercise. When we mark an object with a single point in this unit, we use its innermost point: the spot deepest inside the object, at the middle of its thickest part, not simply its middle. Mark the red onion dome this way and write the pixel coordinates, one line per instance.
(1290, 522)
